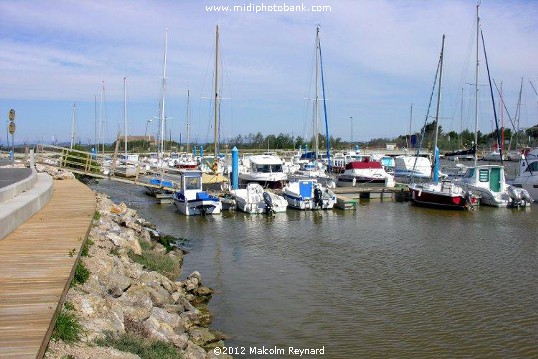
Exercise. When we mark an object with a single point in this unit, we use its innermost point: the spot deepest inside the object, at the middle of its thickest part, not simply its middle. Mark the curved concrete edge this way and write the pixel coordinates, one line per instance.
(15, 189)
(15, 211)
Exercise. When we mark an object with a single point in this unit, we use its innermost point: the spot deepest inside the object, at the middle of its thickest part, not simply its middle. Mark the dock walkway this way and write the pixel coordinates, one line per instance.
(36, 267)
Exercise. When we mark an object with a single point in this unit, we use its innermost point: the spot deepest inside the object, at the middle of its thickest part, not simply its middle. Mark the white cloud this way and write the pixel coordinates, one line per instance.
(379, 56)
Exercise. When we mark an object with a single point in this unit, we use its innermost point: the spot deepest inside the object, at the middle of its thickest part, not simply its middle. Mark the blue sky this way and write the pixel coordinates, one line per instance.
(379, 58)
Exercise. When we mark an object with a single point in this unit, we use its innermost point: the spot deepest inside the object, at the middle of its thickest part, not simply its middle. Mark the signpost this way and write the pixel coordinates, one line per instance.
(11, 129)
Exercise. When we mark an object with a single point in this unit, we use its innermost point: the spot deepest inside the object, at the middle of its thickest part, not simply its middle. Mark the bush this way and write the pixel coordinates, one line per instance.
(67, 327)
(169, 266)
(85, 251)
(144, 348)
(81, 274)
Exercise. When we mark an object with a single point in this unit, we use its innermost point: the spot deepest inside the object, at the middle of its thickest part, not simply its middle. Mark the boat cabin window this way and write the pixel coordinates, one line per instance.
(266, 168)
(483, 175)
(533, 167)
(193, 182)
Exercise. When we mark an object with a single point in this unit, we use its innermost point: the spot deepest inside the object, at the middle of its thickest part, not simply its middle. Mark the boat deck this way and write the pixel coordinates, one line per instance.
(36, 267)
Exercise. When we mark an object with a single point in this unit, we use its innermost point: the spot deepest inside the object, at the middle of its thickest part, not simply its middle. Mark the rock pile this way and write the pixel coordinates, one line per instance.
(122, 296)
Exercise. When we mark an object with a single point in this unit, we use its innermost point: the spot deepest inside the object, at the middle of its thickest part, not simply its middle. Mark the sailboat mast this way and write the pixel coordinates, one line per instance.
(410, 121)
(125, 115)
(188, 119)
(316, 99)
(460, 142)
(73, 126)
(163, 100)
(476, 89)
(216, 124)
(102, 125)
(501, 103)
(95, 145)
(518, 114)
(437, 112)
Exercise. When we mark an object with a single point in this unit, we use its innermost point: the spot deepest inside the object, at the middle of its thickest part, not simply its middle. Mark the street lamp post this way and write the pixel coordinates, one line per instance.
(146, 132)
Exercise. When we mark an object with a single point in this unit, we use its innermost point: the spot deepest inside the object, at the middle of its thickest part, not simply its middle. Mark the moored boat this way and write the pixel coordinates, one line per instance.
(527, 178)
(191, 200)
(265, 170)
(308, 194)
(254, 199)
(365, 172)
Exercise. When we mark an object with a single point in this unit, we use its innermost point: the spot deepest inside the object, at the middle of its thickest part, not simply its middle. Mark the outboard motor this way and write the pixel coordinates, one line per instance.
(470, 199)
(318, 196)
(525, 196)
(515, 196)
(268, 203)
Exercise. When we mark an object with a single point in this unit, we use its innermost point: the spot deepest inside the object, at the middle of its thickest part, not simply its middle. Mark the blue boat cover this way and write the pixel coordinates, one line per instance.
(305, 189)
(203, 196)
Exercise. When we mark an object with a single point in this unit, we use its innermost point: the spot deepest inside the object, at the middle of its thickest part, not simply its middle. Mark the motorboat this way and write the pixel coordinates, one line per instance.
(443, 194)
(489, 182)
(365, 172)
(527, 178)
(191, 200)
(265, 170)
(254, 199)
(308, 195)
(409, 169)
(461, 155)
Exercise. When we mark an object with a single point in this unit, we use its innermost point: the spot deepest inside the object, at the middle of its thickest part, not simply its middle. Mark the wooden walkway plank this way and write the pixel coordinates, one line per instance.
(36, 267)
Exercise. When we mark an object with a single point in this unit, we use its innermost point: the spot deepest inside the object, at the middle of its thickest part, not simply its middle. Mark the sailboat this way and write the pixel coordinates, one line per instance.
(489, 181)
(312, 191)
(161, 188)
(126, 166)
(441, 194)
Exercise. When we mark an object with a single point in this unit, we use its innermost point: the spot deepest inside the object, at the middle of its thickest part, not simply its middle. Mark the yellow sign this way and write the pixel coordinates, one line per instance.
(11, 127)
(12, 115)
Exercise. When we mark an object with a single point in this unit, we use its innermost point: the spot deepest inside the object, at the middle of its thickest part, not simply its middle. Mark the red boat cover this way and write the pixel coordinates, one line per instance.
(363, 165)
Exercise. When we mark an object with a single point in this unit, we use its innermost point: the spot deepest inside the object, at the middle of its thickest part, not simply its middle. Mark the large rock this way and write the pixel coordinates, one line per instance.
(137, 302)
(194, 351)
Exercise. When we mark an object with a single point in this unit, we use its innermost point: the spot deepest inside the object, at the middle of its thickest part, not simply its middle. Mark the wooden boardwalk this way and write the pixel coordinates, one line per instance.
(36, 267)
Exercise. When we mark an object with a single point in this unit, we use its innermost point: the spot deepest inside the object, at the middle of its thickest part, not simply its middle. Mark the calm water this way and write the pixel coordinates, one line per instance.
(387, 280)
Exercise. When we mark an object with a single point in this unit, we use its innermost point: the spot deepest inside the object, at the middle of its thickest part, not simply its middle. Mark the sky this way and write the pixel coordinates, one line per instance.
(379, 60)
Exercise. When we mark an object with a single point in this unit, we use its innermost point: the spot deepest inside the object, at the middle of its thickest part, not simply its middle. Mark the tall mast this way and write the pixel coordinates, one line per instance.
(316, 99)
(410, 121)
(460, 142)
(73, 126)
(518, 113)
(163, 100)
(125, 116)
(437, 112)
(102, 126)
(476, 89)
(187, 116)
(216, 124)
(501, 103)
(95, 141)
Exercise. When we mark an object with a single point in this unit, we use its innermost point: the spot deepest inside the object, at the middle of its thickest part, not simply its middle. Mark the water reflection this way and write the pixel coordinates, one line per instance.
(386, 280)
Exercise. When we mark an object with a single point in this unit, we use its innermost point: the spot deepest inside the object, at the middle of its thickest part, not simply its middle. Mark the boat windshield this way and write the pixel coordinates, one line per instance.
(469, 173)
(193, 183)
(267, 168)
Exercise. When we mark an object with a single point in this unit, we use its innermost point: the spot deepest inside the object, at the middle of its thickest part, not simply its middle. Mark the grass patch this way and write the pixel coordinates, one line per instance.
(81, 274)
(169, 242)
(169, 266)
(96, 215)
(67, 327)
(85, 251)
(144, 348)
